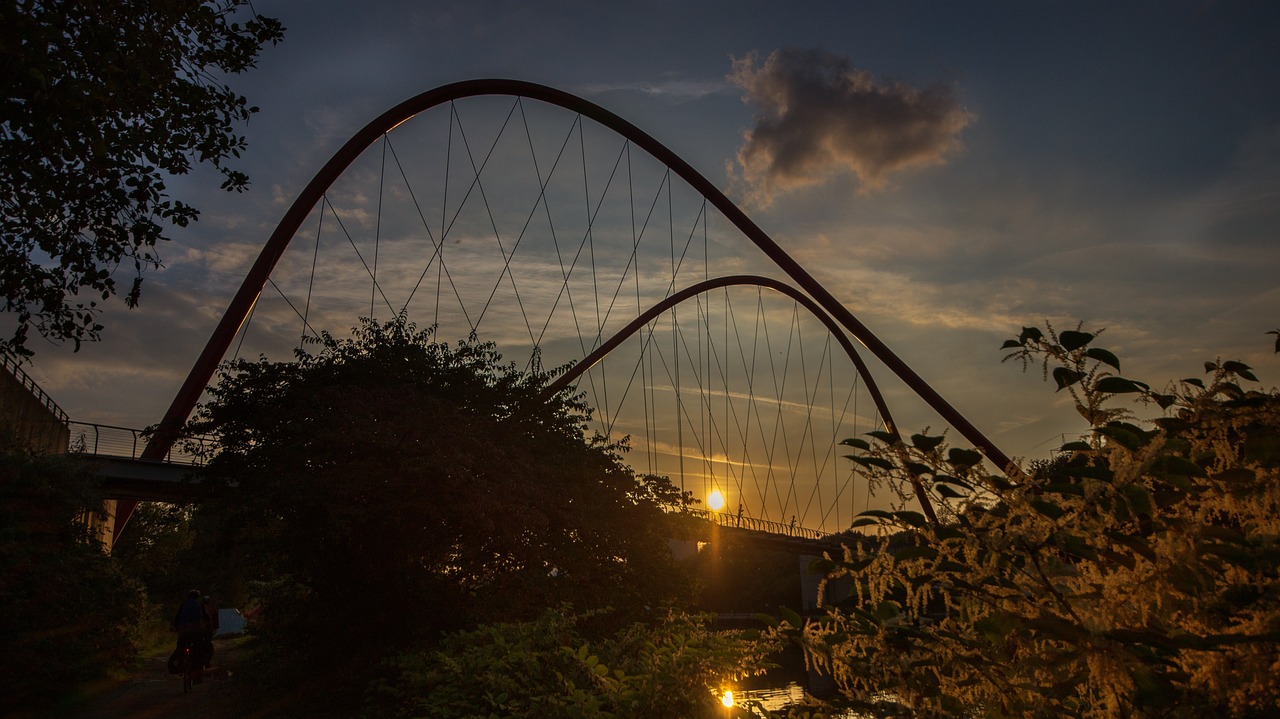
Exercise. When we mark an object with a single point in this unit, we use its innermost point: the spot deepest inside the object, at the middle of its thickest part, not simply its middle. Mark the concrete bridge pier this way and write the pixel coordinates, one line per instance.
(810, 583)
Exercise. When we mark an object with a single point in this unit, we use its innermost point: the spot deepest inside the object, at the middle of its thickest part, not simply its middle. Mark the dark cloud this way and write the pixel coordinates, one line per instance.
(819, 117)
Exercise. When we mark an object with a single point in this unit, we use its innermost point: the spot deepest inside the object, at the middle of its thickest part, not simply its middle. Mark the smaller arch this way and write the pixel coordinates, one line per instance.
(586, 363)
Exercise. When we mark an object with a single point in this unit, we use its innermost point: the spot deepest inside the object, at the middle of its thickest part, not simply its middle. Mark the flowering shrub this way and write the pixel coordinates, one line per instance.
(1133, 575)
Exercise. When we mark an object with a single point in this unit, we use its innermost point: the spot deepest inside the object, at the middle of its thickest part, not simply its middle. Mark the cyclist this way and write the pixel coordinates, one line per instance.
(211, 628)
(192, 623)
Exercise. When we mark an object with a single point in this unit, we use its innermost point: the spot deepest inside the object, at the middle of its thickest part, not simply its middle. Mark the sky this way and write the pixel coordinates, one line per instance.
(952, 172)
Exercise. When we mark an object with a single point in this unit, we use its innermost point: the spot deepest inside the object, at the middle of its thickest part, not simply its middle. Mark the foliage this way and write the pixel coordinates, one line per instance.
(67, 612)
(389, 487)
(157, 550)
(1134, 575)
(739, 576)
(103, 100)
(673, 666)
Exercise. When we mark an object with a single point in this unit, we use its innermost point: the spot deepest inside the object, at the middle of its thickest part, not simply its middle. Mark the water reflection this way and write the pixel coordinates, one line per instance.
(774, 699)
(778, 699)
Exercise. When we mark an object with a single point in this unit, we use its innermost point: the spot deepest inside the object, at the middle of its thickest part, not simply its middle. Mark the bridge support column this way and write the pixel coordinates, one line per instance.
(810, 582)
(811, 598)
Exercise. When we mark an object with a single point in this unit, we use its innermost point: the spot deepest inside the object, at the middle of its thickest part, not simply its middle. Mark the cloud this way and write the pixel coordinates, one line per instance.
(820, 117)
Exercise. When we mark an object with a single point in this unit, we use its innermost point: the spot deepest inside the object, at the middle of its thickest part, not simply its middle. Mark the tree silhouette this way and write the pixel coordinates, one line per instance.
(103, 100)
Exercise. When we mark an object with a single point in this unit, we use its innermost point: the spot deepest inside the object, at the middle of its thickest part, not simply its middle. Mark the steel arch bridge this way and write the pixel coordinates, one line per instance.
(524, 215)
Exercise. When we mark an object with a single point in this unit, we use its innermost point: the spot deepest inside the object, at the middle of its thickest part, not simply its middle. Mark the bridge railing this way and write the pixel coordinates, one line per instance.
(742, 521)
(112, 441)
(45, 400)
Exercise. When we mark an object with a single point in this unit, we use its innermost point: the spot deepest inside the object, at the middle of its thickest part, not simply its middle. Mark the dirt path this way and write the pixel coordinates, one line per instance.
(152, 692)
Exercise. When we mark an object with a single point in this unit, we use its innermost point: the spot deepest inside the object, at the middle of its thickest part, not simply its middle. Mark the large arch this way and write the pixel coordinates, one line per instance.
(253, 283)
(216, 347)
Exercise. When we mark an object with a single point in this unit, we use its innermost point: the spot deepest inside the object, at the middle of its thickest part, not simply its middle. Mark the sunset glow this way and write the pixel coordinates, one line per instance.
(715, 500)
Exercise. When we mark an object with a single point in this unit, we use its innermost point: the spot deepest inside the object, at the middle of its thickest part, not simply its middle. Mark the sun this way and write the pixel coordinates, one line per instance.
(715, 500)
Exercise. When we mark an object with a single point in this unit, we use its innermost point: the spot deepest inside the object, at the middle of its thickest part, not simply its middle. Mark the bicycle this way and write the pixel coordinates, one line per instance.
(187, 670)
(188, 661)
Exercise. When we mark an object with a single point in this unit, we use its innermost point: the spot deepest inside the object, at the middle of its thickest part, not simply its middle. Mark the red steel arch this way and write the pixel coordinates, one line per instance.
(216, 348)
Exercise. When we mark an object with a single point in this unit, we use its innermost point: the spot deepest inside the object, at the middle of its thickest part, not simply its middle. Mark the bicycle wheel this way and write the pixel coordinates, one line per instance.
(186, 670)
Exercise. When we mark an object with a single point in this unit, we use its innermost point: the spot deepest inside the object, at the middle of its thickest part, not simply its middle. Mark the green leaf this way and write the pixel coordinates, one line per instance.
(1194, 382)
(1120, 511)
(1032, 334)
(1047, 508)
(1121, 436)
(925, 443)
(856, 442)
(943, 532)
(879, 513)
(1009, 344)
(1001, 483)
(768, 620)
(947, 492)
(963, 458)
(1119, 385)
(1242, 557)
(1076, 446)
(914, 519)
(886, 610)
(1173, 464)
(1185, 580)
(918, 469)
(883, 436)
(952, 480)
(1240, 369)
(950, 565)
(1231, 389)
(1103, 356)
(870, 461)
(1078, 546)
(1139, 499)
(790, 617)
(1065, 377)
(1073, 340)
(1235, 475)
(863, 522)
